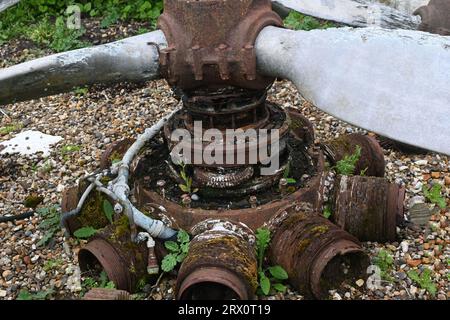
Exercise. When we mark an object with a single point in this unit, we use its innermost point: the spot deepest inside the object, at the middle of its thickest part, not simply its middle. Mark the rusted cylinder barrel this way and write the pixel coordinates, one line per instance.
(106, 294)
(221, 263)
(124, 262)
(368, 207)
(371, 161)
(317, 255)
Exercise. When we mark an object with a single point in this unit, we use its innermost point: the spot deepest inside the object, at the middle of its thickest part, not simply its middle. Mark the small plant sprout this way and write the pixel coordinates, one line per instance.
(424, 280)
(385, 261)
(327, 211)
(187, 185)
(50, 223)
(177, 251)
(434, 195)
(347, 165)
(276, 273)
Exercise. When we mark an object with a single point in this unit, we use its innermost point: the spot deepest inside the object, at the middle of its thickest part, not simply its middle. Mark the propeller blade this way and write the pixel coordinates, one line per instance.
(134, 59)
(406, 6)
(357, 13)
(392, 82)
(5, 4)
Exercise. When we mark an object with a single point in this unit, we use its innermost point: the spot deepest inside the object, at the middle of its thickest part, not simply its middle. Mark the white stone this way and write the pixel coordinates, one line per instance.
(30, 142)
(421, 162)
(404, 245)
(2, 293)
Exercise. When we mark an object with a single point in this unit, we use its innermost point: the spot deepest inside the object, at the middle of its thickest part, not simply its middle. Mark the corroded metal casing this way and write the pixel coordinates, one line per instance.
(368, 207)
(316, 254)
(435, 17)
(211, 42)
(124, 262)
(221, 263)
(371, 161)
(106, 294)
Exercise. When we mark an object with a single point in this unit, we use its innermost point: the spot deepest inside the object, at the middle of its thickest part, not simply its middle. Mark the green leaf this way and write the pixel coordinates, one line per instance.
(85, 232)
(184, 247)
(172, 246)
(434, 195)
(182, 236)
(45, 239)
(181, 257)
(279, 287)
(263, 237)
(291, 180)
(264, 283)
(169, 262)
(278, 273)
(327, 212)
(108, 210)
(347, 165)
(184, 188)
(24, 295)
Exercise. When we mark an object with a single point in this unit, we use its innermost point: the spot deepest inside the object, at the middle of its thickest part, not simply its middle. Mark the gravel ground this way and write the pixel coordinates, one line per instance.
(92, 120)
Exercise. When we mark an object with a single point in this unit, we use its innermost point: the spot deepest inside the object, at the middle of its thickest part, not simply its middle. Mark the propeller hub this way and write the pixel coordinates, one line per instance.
(211, 42)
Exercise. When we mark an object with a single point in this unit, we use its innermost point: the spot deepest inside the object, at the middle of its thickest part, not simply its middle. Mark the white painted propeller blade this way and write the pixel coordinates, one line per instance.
(357, 13)
(392, 82)
(134, 59)
(406, 6)
(5, 4)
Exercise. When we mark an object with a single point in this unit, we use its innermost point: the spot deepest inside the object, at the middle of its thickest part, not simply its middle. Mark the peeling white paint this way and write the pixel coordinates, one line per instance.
(30, 142)
(358, 13)
(392, 82)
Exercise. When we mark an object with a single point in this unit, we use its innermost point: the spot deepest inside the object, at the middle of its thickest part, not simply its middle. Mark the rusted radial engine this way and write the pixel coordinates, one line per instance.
(210, 63)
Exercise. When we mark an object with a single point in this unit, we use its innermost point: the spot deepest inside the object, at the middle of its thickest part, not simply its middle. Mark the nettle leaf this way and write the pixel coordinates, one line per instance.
(85, 232)
(263, 237)
(172, 246)
(278, 273)
(169, 262)
(264, 283)
(183, 236)
(280, 287)
(108, 210)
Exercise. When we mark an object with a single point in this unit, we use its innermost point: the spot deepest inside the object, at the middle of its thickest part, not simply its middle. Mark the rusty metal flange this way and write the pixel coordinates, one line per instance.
(221, 263)
(371, 161)
(186, 218)
(368, 207)
(435, 17)
(321, 255)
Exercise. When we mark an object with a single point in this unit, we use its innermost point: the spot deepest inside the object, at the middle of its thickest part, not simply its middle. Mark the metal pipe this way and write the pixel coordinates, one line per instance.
(121, 189)
(371, 161)
(221, 263)
(320, 255)
(124, 261)
(369, 208)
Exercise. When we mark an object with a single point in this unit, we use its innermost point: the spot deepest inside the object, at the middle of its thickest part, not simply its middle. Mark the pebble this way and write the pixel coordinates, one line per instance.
(413, 263)
(404, 245)
(360, 282)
